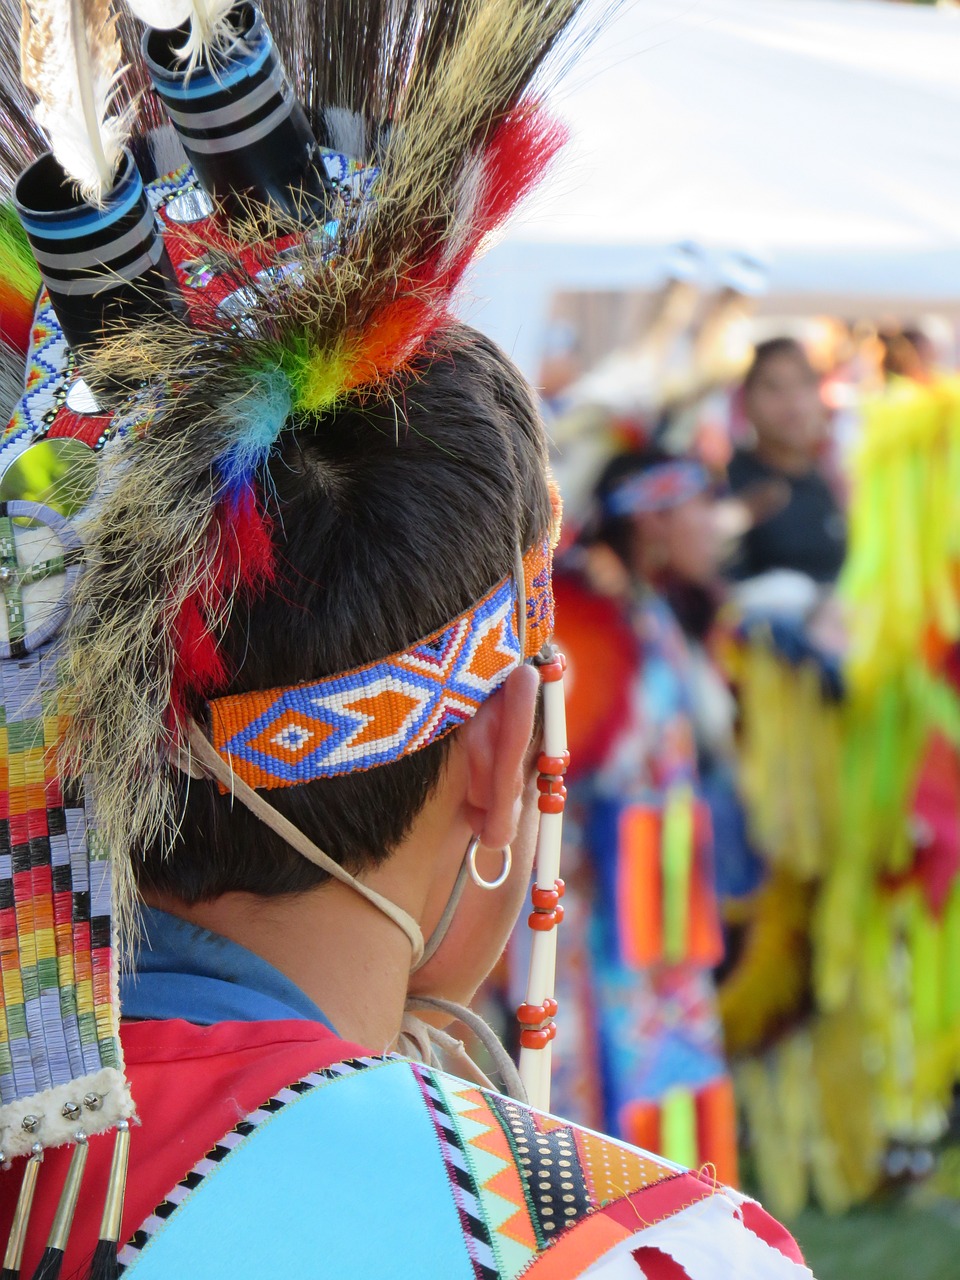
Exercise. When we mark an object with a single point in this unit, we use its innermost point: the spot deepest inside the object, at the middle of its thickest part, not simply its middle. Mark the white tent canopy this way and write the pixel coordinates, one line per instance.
(820, 136)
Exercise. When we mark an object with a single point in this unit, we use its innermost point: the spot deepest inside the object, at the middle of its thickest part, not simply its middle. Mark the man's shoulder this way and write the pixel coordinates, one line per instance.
(392, 1168)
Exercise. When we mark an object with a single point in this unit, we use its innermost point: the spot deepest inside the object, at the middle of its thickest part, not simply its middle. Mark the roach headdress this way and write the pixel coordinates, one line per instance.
(222, 222)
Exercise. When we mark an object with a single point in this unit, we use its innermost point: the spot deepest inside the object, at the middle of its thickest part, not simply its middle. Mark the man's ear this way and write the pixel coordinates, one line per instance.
(495, 742)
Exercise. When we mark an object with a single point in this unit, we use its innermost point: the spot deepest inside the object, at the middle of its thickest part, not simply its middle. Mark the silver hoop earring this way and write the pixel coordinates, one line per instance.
(475, 875)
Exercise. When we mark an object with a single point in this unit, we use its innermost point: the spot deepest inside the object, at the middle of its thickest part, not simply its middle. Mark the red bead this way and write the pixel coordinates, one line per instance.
(550, 1007)
(545, 899)
(555, 765)
(533, 1015)
(543, 921)
(551, 786)
(552, 804)
(538, 1039)
(558, 915)
(551, 671)
(561, 888)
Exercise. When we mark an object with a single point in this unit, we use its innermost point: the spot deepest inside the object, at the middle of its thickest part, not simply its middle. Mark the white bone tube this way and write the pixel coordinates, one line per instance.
(541, 981)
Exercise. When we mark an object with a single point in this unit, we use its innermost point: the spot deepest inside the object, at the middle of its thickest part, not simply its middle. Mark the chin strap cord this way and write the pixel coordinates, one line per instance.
(430, 1043)
(449, 911)
(202, 753)
(418, 1039)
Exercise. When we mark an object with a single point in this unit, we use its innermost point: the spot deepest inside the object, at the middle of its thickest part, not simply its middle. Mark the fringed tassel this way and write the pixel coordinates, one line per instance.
(106, 1262)
(639, 897)
(677, 870)
(52, 1261)
(106, 1265)
(21, 1217)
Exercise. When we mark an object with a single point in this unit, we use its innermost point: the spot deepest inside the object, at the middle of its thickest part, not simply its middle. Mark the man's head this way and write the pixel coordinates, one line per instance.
(909, 353)
(674, 533)
(390, 519)
(782, 398)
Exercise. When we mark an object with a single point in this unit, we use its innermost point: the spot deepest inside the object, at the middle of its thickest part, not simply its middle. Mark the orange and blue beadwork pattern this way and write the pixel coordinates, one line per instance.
(387, 709)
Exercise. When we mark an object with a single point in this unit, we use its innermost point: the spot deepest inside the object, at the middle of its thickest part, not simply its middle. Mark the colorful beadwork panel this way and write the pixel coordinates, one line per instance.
(59, 1042)
(380, 712)
(57, 1023)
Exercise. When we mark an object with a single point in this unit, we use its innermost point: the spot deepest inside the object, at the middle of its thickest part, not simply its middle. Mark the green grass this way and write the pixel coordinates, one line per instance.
(915, 1238)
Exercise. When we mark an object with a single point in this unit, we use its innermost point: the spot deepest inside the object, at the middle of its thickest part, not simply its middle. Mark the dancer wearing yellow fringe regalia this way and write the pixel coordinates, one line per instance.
(845, 1007)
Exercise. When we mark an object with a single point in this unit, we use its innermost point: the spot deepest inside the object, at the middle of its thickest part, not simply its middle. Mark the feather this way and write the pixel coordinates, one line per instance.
(70, 57)
(21, 140)
(210, 31)
(19, 286)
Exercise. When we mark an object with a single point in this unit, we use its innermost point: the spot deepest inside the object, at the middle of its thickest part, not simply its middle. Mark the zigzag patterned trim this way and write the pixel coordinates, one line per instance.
(134, 1247)
(476, 1233)
(387, 709)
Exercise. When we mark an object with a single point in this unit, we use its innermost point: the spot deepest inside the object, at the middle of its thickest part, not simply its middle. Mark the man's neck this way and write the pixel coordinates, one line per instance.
(343, 953)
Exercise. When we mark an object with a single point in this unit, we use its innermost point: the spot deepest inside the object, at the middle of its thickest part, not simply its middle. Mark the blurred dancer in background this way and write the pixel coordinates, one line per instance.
(799, 525)
(644, 933)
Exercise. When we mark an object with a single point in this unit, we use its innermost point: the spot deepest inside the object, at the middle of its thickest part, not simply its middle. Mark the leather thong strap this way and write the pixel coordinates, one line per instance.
(204, 754)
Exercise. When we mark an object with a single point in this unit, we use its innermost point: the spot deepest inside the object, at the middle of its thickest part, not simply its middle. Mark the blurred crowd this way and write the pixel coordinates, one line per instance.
(763, 849)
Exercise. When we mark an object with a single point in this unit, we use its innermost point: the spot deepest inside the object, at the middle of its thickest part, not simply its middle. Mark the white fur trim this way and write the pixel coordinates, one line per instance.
(709, 1241)
(54, 1130)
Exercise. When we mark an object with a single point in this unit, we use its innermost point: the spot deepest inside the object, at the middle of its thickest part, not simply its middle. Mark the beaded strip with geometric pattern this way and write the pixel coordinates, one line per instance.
(390, 708)
(57, 1024)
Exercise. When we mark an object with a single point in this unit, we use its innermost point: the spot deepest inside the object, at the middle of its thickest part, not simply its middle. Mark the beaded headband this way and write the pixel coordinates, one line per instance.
(664, 486)
(387, 709)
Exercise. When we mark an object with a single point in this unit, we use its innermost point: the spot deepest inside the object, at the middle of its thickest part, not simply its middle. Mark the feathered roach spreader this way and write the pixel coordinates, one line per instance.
(291, 241)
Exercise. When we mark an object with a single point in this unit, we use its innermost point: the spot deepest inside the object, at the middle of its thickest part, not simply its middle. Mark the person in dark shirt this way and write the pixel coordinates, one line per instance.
(798, 523)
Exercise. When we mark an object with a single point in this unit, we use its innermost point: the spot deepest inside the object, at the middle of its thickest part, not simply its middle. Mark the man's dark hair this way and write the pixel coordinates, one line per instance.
(903, 352)
(390, 520)
(774, 349)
